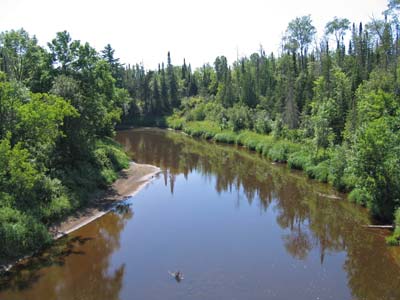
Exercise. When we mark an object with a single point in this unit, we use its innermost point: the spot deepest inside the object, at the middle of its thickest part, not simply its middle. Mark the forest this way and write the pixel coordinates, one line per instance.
(58, 110)
(329, 107)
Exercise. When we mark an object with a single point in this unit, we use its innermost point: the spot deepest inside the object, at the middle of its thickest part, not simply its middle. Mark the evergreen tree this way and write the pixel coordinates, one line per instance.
(172, 84)
(116, 68)
(164, 90)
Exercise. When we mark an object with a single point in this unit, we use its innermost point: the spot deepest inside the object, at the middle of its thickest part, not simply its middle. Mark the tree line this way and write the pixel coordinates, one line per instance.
(58, 109)
(338, 96)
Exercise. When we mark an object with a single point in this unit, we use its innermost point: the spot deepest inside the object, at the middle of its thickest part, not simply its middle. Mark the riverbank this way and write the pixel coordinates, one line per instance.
(324, 165)
(129, 183)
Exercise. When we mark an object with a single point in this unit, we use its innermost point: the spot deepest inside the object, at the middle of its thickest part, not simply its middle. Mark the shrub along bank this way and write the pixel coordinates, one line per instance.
(329, 165)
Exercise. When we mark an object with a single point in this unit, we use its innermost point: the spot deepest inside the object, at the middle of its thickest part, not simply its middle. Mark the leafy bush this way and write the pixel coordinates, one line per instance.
(397, 221)
(200, 109)
(320, 171)
(338, 175)
(55, 200)
(225, 137)
(360, 196)
(115, 154)
(20, 233)
(240, 117)
(375, 166)
(197, 113)
(205, 129)
(252, 140)
(175, 122)
(299, 160)
(215, 112)
(262, 123)
(281, 151)
(56, 209)
(109, 158)
(394, 239)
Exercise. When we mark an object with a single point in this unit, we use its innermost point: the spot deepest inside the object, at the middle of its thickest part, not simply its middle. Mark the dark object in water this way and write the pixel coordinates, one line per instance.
(177, 275)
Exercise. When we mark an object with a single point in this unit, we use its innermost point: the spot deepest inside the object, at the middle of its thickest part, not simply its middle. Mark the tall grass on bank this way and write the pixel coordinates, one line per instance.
(322, 165)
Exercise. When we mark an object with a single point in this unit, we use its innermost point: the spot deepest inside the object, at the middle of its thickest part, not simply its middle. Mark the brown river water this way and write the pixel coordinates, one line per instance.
(235, 225)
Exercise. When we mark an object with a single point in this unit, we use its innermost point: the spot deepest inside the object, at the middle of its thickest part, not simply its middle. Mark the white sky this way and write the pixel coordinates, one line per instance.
(144, 31)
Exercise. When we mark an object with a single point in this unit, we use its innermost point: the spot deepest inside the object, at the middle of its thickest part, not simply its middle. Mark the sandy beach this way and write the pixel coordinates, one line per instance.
(130, 182)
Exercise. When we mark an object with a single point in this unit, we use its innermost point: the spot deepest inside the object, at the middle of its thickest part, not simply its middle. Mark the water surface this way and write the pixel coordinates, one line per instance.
(237, 226)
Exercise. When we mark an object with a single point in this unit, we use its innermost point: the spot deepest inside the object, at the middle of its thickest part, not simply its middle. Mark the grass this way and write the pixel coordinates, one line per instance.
(203, 129)
(276, 150)
(281, 150)
(299, 160)
(226, 137)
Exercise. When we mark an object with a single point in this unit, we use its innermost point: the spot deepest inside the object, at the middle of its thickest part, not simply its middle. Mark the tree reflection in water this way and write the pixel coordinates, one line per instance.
(310, 221)
(311, 229)
(70, 261)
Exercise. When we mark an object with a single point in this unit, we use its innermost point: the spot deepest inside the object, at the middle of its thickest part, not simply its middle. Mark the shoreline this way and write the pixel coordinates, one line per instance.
(130, 182)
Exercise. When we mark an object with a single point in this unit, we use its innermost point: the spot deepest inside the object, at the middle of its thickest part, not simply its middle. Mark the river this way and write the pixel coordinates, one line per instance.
(236, 226)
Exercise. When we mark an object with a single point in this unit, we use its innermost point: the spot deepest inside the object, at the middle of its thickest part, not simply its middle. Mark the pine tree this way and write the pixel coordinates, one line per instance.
(157, 104)
(164, 91)
(172, 84)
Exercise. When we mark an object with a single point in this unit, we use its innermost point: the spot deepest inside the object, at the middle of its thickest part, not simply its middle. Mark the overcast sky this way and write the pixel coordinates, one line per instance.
(200, 30)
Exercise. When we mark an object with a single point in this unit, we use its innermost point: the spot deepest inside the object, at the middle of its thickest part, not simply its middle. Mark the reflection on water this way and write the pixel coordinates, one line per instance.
(237, 226)
(75, 268)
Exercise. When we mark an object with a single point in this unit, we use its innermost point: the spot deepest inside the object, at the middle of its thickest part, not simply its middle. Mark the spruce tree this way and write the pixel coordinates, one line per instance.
(172, 84)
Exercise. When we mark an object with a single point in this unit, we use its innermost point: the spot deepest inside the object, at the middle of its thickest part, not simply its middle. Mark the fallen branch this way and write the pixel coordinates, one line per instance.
(380, 226)
(329, 196)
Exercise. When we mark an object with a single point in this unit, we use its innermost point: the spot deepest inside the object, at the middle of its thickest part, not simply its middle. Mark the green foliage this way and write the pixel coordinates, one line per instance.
(319, 172)
(252, 140)
(54, 147)
(334, 115)
(394, 239)
(375, 161)
(175, 122)
(195, 109)
(40, 122)
(226, 137)
(205, 129)
(111, 155)
(24, 60)
(262, 123)
(18, 176)
(281, 150)
(321, 119)
(240, 117)
(397, 221)
(360, 196)
(56, 202)
(299, 160)
(338, 28)
(338, 175)
(20, 233)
